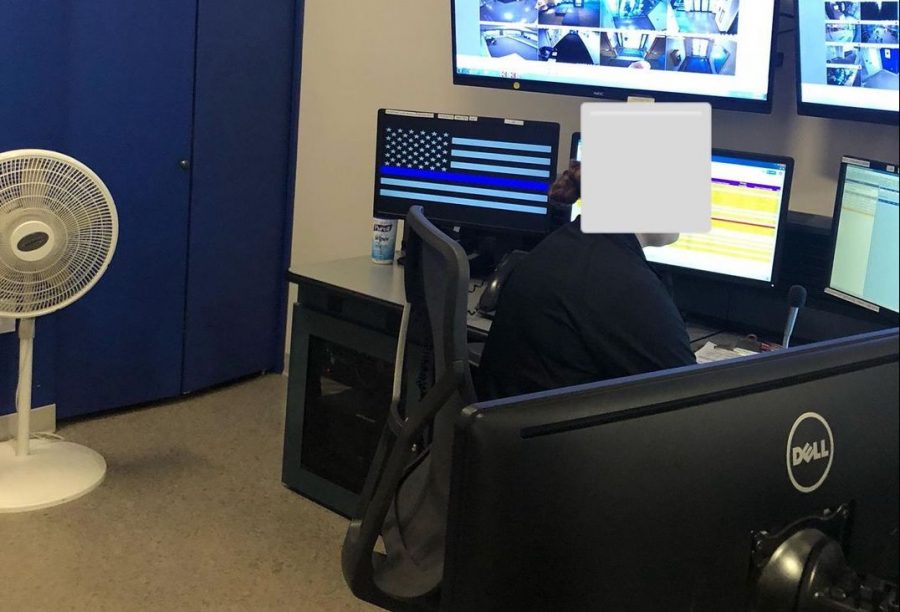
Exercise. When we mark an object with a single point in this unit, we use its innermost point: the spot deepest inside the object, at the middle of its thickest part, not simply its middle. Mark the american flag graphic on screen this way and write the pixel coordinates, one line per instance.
(428, 165)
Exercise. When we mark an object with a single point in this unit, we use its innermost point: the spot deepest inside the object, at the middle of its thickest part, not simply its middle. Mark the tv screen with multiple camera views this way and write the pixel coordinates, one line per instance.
(719, 51)
(847, 60)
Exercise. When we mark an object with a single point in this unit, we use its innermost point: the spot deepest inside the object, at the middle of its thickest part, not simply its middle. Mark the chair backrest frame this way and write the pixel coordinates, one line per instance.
(436, 278)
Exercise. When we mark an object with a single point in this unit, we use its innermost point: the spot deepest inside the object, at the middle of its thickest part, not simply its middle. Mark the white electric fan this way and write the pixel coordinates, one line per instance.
(58, 232)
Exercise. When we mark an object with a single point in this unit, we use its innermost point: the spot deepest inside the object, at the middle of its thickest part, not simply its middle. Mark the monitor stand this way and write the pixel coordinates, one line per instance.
(808, 572)
(486, 248)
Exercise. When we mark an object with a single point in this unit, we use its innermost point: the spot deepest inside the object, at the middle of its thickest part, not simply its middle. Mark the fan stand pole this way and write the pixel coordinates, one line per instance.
(41, 473)
(23, 392)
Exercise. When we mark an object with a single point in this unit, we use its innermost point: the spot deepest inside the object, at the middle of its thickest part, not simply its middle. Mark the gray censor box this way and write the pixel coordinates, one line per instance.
(645, 168)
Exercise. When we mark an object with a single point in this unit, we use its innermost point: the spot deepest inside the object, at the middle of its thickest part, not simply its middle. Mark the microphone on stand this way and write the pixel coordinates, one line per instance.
(796, 301)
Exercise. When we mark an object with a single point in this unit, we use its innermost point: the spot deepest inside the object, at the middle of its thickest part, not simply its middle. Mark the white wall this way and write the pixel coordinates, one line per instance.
(397, 54)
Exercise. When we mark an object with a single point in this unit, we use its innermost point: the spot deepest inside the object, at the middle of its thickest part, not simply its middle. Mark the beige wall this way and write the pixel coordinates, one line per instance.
(397, 54)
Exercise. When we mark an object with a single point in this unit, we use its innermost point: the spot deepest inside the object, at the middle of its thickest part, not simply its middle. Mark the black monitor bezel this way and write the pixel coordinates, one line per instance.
(832, 111)
(495, 228)
(618, 93)
(883, 313)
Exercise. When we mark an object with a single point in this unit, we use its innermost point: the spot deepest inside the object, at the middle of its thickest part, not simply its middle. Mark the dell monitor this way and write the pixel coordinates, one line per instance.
(465, 170)
(750, 196)
(847, 60)
(716, 51)
(865, 259)
(704, 489)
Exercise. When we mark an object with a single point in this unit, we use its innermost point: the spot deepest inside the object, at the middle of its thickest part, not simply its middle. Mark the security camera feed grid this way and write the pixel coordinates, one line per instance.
(701, 55)
(569, 46)
(626, 49)
(861, 44)
(693, 36)
(502, 41)
(585, 13)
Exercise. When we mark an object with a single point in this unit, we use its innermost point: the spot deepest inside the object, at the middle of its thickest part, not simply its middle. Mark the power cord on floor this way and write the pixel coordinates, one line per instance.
(46, 435)
(38, 435)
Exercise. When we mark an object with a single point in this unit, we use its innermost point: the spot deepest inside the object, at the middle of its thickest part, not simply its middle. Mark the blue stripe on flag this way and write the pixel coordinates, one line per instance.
(470, 179)
(512, 195)
(500, 169)
(521, 159)
(499, 144)
(430, 197)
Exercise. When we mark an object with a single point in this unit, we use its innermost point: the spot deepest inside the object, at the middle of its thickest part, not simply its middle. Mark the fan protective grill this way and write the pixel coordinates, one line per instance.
(58, 231)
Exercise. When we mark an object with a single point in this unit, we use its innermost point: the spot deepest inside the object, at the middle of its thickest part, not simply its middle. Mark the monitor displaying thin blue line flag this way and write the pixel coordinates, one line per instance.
(465, 170)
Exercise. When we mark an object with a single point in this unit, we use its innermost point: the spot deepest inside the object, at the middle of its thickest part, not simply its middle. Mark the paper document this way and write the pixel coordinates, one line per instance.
(711, 352)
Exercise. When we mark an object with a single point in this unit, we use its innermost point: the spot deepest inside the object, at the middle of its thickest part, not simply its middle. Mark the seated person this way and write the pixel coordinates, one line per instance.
(581, 308)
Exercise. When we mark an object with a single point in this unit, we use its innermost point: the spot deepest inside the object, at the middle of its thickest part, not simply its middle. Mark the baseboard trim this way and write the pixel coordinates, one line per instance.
(43, 419)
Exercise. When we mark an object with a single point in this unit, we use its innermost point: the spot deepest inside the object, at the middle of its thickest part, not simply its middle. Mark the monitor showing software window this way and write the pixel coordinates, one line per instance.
(866, 260)
(750, 194)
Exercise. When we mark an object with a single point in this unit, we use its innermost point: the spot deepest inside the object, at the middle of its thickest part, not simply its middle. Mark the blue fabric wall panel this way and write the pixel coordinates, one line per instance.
(32, 70)
(32, 99)
(42, 388)
(238, 228)
(129, 106)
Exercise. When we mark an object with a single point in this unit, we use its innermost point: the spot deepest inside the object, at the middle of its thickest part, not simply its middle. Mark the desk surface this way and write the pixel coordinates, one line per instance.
(360, 275)
(381, 282)
(385, 283)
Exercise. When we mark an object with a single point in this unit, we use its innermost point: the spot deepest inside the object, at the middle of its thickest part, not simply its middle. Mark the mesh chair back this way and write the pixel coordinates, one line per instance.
(406, 492)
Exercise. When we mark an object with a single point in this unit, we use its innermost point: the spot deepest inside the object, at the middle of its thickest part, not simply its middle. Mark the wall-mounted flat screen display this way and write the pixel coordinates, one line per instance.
(847, 60)
(718, 51)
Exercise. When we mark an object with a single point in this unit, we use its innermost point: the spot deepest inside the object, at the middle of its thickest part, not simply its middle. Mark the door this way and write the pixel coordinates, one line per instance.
(128, 90)
(632, 40)
(889, 59)
(239, 224)
(699, 47)
(31, 117)
(113, 84)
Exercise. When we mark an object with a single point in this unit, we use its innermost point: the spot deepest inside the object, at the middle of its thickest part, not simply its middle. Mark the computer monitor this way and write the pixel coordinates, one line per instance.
(847, 60)
(466, 170)
(716, 51)
(670, 491)
(750, 197)
(575, 147)
(865, 259)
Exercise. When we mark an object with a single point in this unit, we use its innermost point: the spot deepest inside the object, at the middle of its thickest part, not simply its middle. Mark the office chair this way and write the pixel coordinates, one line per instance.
(404, 499)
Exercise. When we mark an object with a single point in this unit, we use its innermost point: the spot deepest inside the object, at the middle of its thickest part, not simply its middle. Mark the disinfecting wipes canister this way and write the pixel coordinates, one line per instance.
(384, 239)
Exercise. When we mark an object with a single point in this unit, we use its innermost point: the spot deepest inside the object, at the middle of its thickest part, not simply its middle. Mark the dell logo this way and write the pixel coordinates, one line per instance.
(810, 452)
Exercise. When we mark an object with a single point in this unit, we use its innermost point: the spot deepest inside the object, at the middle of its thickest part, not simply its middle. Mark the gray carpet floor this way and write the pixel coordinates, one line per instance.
(192, 516)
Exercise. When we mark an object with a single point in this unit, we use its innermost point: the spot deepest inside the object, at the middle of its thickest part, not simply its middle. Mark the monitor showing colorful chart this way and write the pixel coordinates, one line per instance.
(750, 194)
(749, 202)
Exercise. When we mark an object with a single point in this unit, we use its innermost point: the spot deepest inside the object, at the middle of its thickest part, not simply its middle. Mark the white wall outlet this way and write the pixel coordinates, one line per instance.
(7, 326)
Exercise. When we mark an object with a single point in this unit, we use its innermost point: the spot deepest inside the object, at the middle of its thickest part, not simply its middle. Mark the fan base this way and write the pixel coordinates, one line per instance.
(52, 474)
